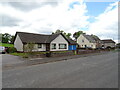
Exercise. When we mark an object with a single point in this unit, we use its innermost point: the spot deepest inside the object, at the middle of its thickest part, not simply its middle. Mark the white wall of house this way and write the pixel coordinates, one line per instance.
(86, 42)
(18, 43)
(43, 47)
(109, 44)
(36, 48)
(59, 40)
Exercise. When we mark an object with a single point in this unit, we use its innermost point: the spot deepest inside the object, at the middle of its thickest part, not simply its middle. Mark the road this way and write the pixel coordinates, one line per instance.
(100, 71)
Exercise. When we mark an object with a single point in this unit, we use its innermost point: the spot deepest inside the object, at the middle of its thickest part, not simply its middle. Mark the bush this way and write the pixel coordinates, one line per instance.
(11, 50)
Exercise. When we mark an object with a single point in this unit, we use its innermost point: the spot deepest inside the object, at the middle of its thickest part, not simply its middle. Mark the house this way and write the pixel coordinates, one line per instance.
(53, 42)
(88, 41)
(108, 43)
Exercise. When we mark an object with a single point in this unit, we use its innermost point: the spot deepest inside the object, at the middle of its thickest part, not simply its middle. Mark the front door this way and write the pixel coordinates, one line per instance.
(47, 47)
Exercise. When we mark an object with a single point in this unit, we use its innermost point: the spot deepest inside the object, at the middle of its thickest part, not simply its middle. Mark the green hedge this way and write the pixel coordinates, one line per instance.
(11, 50)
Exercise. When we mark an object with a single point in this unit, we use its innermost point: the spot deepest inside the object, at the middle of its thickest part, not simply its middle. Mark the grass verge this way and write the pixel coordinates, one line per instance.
(24, 55)
(6, 45)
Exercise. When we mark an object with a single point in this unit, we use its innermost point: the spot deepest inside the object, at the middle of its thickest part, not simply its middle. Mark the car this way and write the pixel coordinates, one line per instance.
(2, 50)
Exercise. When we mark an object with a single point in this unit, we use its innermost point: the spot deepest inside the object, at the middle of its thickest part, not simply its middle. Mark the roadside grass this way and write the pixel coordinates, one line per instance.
(6, 45)
(23, 55)
(116, 50)
(26, 55)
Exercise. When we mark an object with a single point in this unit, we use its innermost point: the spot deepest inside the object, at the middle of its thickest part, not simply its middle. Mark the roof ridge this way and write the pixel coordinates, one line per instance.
(32, 33)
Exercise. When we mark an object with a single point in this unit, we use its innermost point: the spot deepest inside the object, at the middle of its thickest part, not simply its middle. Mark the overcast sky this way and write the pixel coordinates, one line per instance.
(99, 18)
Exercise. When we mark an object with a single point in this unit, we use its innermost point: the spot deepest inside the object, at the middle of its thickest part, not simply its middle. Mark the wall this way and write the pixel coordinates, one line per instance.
(58, 40)
(18, 44)
(61, 54)
(109, 44)
(86, 42)
(38, 49)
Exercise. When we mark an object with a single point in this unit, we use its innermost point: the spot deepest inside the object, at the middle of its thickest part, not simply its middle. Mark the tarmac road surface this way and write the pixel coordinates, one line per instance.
(99, 71)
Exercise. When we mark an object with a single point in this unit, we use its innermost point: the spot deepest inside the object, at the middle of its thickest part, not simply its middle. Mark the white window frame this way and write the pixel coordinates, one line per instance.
(65, 47)
(53, 45)
(39, 45)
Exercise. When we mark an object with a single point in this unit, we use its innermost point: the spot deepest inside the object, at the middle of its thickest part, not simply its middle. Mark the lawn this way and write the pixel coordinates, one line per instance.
(6, 45)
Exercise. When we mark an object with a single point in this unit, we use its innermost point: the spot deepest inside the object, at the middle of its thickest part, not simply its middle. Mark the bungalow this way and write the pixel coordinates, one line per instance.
(88, 41)
(53, 42)
(108, 43)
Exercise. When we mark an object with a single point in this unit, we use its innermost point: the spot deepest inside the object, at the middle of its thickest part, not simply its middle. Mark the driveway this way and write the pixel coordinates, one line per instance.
(10, 59)
(100, 71)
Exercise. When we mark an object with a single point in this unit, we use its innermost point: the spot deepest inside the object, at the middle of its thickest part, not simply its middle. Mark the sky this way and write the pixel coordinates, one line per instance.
(45, 17)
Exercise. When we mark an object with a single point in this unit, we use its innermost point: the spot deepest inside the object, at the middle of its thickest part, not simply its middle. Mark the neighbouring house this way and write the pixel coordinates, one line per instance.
(53, 42)
(108, 43)
(89, 41)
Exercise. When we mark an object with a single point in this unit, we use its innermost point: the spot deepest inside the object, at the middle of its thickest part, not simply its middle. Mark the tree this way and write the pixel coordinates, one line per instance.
(29, 47)
(77, 34)
(12, 39)
(67, 35)
(5, 38)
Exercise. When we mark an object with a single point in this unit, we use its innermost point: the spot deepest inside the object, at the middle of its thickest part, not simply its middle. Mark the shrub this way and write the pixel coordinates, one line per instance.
(11, 50)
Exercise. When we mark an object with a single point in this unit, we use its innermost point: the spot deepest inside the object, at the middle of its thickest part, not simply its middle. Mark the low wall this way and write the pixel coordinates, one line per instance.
(92, 51)
(66, 53)
(38, 56)
(60, 54)
(87, 51)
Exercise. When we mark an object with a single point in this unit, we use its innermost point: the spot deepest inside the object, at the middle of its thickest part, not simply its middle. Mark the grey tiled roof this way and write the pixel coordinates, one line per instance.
(89, 38)
(31, 37)
(40, 38)
(71, 41)
(92, 39)
(108, 41)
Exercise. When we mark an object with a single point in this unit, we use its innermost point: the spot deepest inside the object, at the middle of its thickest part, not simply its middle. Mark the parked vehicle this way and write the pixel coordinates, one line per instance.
(2, 50)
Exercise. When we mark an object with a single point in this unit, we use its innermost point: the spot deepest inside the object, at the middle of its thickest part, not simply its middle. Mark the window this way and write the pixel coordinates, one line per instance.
(82, 40)
(53, 46)
(62, 46)
(39, 45)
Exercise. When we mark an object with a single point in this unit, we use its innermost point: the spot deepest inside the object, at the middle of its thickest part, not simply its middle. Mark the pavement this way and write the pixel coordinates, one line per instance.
(10, 60)
(95, 71)
(13, 62)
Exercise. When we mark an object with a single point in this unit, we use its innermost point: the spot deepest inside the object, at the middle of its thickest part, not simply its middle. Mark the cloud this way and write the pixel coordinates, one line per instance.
(8, 21)
(106, 24)
(28, 6)
(47, 18)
